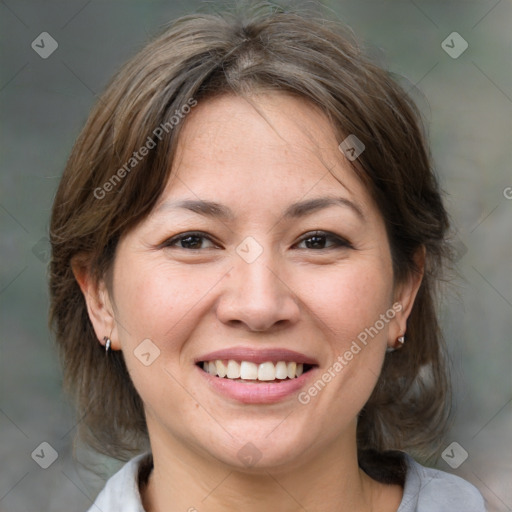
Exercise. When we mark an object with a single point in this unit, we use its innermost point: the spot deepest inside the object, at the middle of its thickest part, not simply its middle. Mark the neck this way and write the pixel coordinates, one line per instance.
(184, 480)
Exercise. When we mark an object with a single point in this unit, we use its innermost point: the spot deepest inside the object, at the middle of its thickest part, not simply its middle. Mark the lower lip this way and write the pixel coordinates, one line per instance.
(257, 392)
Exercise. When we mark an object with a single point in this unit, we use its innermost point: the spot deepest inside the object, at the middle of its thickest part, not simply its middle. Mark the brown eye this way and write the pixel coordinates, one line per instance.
(192, 241)
(323, 240)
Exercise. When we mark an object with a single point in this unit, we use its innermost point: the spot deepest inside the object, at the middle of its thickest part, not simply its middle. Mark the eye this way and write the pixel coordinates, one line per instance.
(192, 241)
(318, 240)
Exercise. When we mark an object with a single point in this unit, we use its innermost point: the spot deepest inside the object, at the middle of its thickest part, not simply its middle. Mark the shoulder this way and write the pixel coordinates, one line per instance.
(432, 490)
(121, 492)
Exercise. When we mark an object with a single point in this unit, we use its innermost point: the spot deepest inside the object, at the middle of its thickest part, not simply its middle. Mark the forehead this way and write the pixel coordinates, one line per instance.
(234, 146)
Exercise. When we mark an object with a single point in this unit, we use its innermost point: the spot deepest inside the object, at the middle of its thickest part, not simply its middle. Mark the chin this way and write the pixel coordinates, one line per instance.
(259, 447)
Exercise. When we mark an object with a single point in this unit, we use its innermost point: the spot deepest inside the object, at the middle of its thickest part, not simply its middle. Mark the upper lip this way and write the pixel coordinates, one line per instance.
(257, 355)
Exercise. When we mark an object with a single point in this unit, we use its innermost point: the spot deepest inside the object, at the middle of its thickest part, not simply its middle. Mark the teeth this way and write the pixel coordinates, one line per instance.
(247, 370)
(281, 370)
(266, 371)
(233, 370)
(222, 369)
(292, 367)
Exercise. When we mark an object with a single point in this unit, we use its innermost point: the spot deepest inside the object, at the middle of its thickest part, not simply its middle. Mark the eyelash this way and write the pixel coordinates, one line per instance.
(339, 242)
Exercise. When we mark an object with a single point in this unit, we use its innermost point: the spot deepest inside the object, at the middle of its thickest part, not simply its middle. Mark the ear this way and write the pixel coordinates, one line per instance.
(99, 304)
(405, 295)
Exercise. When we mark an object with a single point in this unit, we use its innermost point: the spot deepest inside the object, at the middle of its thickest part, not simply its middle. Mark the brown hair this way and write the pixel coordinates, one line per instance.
(198, 56)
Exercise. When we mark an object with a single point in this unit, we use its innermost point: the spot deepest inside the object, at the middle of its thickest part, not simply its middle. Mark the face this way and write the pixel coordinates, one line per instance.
(265, 255)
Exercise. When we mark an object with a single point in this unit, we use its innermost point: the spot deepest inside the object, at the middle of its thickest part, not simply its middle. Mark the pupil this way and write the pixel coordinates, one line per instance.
(191, 242)
(315, 242)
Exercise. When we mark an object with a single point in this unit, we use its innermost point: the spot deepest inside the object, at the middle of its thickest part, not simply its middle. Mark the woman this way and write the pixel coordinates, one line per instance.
(246, 244)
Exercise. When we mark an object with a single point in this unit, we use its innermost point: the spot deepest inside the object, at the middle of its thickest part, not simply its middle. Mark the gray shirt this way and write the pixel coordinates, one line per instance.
(425, 490)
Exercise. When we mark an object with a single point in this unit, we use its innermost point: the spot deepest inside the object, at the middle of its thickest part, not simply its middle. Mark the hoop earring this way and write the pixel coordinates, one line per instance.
(108, 342)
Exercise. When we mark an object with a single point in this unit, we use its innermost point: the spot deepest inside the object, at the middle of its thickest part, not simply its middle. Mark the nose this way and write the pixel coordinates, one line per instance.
(257, 297)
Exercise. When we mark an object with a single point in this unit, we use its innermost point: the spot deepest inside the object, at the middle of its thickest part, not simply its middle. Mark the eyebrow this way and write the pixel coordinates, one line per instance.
(296, 210)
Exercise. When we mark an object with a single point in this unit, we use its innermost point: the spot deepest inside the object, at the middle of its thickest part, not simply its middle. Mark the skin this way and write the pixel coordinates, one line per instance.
(307, 297)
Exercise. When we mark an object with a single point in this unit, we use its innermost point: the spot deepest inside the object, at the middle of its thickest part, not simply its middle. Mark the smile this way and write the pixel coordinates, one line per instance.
(267, 371)
(256, 376)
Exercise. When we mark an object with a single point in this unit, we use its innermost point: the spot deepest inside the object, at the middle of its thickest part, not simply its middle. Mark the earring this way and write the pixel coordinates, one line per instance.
(398, 344)
(108, 342)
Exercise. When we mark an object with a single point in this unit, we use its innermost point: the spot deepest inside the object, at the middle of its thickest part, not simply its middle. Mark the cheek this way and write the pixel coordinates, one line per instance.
(145, 299)
(155, 308)
(350, 298)
(346, 306)
(159, 300)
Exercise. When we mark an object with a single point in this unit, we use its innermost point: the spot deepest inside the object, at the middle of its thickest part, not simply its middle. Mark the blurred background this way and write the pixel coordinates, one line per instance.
(57, 56)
